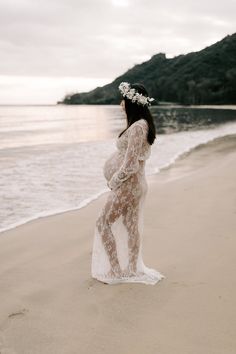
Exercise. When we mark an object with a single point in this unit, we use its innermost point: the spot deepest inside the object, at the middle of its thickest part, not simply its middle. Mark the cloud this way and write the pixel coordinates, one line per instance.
(97, 40)
(42, 90)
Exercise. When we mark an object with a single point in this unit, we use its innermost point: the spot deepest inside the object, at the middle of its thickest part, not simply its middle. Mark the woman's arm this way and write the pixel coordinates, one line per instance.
(130, 164)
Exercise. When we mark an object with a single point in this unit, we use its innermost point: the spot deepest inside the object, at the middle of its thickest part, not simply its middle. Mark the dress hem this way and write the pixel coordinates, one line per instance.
(145, 279)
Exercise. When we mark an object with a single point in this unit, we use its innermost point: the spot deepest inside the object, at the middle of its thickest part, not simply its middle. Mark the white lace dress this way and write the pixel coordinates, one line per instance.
(117, 244)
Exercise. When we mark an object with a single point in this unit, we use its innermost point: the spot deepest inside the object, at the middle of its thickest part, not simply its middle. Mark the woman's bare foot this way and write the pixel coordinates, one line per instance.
(115, 272)
(126, 272)
(131, 272)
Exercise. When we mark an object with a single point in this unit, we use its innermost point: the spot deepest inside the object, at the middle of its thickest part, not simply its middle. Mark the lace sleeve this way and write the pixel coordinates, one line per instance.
(130, 164)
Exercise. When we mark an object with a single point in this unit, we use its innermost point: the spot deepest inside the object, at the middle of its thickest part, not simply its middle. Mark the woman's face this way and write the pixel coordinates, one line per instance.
(122, 104)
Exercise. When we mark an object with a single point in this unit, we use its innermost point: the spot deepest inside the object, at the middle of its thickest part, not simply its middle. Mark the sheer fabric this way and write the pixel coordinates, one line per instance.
(117, 245)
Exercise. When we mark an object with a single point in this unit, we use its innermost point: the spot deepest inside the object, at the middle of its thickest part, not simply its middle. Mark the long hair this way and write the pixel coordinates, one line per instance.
(135, 112)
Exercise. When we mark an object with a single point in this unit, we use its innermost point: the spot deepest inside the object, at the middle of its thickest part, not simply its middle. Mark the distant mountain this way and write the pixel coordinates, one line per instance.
(204, 77)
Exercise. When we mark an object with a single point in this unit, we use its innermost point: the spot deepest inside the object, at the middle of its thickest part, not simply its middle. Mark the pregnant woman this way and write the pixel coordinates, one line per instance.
(117, 245)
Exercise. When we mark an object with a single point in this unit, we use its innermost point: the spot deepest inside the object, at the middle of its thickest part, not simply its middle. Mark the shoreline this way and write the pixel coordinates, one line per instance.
(50, 303)
(150, 178)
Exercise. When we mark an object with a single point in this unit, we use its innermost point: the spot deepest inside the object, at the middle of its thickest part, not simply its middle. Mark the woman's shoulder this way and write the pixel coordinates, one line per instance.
(140, 122)
(140, 128)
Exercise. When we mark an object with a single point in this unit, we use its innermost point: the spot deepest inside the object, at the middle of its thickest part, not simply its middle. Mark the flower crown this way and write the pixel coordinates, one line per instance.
(133, 95)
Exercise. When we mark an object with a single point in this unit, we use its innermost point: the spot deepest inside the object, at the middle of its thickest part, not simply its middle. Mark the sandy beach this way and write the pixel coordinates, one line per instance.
(50, 304)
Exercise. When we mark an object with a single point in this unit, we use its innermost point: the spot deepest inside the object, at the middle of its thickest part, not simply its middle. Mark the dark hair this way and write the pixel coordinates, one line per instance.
(135, 112)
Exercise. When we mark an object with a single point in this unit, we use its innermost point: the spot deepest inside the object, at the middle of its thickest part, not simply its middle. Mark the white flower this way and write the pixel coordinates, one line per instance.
(130, 94)
(134, 96)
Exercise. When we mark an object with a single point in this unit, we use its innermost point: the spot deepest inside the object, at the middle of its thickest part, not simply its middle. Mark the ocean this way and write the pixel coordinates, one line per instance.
(51, 157)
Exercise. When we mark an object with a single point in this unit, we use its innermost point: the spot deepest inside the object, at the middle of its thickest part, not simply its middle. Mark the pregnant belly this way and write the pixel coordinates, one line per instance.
(112, 164)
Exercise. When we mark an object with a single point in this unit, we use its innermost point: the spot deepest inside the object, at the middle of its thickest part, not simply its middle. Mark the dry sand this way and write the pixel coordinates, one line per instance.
(50, 304)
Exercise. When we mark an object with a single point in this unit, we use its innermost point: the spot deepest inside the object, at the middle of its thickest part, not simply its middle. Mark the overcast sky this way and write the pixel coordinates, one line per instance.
(49, 48)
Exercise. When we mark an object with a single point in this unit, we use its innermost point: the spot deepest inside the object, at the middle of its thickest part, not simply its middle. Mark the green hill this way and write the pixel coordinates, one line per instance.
(204, 77)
